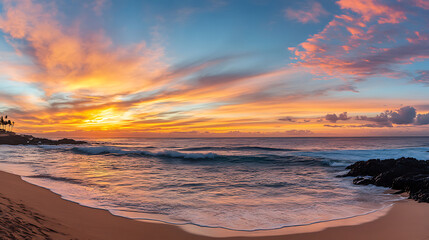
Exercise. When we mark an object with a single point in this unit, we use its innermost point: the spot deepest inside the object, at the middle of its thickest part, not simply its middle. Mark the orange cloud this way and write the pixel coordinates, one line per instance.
(81, 61)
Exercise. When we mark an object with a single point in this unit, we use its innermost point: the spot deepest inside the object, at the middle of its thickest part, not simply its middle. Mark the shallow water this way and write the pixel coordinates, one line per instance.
(241, 184)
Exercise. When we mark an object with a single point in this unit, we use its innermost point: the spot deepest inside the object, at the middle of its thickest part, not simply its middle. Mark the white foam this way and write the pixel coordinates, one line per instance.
(362, 155)
(165, 153)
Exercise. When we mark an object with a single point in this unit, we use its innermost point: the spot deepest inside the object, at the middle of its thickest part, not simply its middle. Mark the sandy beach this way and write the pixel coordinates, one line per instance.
(29, 211)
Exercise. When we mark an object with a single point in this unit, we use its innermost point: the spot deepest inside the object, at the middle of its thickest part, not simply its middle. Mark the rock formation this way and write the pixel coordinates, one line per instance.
(403, 174)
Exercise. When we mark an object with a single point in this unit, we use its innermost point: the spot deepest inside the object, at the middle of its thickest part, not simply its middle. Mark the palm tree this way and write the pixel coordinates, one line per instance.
(6, 125)
(1, 122)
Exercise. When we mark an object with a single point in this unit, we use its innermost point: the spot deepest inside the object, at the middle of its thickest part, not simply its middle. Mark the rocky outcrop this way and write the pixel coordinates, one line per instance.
(403, 174)
(15, 139)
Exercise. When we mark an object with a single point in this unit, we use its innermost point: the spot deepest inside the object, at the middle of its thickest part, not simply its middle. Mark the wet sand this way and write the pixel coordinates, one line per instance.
(31, 212)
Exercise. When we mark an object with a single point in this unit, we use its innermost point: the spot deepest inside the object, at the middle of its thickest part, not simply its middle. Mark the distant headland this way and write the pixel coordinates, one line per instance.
(11, 138)
(8, 137)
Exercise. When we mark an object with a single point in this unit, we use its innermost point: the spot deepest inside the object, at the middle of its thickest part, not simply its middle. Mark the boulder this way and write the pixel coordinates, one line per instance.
(403, 174)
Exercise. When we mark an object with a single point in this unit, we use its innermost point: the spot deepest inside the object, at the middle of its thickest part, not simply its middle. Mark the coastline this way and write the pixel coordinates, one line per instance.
(34, 210)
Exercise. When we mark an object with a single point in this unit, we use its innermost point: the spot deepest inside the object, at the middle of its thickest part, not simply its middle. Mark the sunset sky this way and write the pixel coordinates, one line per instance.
(215, 68)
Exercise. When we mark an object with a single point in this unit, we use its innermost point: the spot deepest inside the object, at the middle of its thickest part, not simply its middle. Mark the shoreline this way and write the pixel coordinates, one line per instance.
(219, 232)
(57, 218)
(222, 232)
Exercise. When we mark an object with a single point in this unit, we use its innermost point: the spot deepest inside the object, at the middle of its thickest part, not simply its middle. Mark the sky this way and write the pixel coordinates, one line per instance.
(215, 68)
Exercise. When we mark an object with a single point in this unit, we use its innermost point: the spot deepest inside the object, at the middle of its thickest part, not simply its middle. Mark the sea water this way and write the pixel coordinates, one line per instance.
(234, 183)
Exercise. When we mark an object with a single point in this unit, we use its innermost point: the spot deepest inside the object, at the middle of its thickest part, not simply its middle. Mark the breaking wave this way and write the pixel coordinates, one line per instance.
(166, 153)
(243, 148)
(255, 158)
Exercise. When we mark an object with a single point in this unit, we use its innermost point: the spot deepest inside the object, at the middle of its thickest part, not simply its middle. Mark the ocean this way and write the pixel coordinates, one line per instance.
(243, 184)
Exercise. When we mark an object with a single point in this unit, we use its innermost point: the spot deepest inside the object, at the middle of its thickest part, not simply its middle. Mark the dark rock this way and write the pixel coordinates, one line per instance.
(363, 181)
(70, 141)
(15, 139)
(403, 174)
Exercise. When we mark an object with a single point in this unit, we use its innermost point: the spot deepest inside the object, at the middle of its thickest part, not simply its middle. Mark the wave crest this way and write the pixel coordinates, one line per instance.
(167, 153)
(251, 159)
(243, 148)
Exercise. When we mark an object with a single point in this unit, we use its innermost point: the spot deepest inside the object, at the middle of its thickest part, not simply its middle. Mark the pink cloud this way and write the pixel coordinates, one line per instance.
(422, 77)
(418, 38)
(422, 3)
(355, 32)
(370, 9)
(363, 46)
(310, 13)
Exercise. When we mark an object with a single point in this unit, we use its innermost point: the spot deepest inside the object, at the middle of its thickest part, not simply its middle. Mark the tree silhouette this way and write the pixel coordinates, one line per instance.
(2, 123)
(6, 124)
